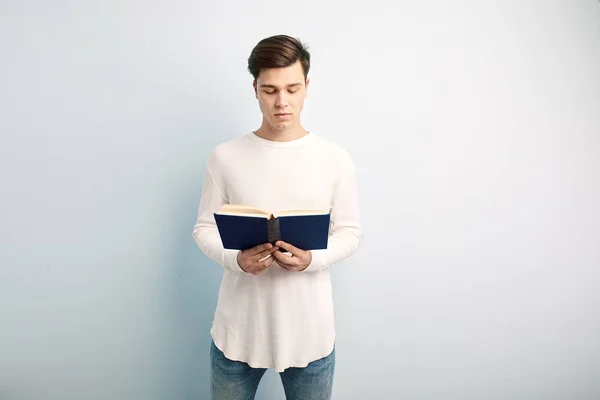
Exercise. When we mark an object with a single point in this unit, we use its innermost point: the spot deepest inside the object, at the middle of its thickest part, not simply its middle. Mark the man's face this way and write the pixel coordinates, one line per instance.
(281, 93)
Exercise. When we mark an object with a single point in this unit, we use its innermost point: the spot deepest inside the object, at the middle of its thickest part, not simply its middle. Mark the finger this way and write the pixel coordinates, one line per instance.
(263, 255)
(292, 268)
(257, 269)
(264, 258)
(285, 259)
(263, 266)
(286, 253)
(266, 263)
(261, 247)
(288, 247)
(269, 262)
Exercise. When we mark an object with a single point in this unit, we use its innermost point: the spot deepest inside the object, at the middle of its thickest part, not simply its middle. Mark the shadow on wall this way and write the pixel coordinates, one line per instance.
(189, 292)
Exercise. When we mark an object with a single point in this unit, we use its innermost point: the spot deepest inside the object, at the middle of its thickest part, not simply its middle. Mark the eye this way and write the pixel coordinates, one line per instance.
(293, 91)
(271, 92)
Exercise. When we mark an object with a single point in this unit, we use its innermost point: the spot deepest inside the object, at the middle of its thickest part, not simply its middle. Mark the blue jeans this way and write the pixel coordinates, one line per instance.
(236, 380)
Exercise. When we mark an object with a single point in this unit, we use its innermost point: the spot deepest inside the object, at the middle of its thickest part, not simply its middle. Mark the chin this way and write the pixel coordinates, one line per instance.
(279, 126)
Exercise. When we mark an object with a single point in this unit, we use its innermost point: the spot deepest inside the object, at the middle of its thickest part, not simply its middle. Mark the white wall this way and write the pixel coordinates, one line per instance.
(475, 128)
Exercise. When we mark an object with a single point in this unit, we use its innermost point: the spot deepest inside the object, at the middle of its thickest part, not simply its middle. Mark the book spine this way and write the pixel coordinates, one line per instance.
(273, 232)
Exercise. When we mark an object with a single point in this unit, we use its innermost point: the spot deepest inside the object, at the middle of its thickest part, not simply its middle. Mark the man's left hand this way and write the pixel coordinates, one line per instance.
(298, 261)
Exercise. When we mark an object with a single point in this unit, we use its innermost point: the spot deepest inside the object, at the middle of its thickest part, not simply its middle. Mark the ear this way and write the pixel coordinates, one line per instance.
(306, 87)
(254, 86)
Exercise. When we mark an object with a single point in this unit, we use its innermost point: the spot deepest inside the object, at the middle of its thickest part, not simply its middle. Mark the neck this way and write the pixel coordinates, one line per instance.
(284, 135)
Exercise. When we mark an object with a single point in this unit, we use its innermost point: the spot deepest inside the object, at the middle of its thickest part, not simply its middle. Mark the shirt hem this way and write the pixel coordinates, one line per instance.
(302, 364)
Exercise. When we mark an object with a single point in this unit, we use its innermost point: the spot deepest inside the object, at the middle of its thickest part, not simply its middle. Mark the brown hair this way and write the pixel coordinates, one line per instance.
(277, 52)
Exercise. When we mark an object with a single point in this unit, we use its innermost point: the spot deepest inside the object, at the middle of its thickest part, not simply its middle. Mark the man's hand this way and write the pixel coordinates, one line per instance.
(298, 261)
(257, 259)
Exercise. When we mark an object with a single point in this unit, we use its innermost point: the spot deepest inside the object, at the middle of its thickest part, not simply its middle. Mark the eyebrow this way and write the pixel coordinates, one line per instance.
(265, 85)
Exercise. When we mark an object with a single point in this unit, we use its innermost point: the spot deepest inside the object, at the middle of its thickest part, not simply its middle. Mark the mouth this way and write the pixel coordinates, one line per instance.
(282, 115)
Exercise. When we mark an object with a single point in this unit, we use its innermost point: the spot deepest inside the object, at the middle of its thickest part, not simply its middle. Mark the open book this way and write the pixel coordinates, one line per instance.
(243, 227)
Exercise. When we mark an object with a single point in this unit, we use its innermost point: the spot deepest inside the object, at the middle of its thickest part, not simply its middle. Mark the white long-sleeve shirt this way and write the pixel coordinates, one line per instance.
(278, 319)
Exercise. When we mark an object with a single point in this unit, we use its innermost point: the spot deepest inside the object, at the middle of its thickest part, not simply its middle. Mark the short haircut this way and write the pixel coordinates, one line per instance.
(277, 52)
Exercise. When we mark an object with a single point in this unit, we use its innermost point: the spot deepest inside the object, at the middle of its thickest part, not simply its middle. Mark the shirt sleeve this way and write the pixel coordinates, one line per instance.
(205, 232)
(346, 233)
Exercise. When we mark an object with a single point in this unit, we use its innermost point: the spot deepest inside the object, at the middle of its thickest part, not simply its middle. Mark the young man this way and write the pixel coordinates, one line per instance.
(275, 307)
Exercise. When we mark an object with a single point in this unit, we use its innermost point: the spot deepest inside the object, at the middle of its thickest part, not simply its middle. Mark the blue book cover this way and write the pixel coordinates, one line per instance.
(242, 227)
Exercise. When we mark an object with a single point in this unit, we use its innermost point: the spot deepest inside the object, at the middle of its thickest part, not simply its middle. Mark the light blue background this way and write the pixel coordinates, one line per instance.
(474, 127)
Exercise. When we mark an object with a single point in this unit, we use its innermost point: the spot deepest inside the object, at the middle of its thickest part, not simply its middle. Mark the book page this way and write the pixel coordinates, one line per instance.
(289, 213)
(238, 209)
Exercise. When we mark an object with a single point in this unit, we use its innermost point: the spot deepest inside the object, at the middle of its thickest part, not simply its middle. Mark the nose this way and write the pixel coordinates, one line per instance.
(281, 100)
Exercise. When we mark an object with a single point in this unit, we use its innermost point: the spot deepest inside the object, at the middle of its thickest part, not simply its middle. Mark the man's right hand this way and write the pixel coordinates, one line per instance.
(250, 260)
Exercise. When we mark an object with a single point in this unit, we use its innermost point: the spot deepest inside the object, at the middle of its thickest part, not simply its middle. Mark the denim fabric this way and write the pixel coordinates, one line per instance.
(235, 380)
